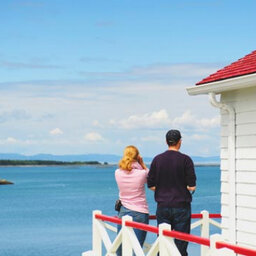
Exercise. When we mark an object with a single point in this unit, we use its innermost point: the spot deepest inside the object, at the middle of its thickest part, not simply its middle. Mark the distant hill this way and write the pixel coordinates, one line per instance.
(110, 158)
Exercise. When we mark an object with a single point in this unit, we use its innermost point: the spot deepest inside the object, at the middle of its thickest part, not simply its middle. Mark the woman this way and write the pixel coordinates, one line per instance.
(131, 178)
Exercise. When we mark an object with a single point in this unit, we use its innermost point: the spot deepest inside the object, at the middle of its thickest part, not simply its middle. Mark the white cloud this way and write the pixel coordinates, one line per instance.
(97, 124)
(56, 131)
(161, 119)
(93, 137)
(148, 120)
(188, 119)
(199, 137)
(11, 140)
(151, 139)
(212, 122)
(185, 119)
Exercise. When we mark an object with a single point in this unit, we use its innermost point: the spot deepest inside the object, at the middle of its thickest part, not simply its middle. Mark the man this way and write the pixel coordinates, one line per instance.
(173, 179)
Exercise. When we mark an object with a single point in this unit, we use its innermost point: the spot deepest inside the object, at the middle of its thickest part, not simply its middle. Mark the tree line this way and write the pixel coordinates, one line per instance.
(46, 162)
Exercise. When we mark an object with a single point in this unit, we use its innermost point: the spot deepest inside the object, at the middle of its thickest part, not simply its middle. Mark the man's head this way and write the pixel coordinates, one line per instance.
(173, 137)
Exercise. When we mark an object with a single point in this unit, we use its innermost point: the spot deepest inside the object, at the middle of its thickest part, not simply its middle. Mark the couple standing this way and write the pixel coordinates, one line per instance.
(171, 177)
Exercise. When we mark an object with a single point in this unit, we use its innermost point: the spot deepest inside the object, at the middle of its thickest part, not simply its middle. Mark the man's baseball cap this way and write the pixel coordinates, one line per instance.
(173, 136)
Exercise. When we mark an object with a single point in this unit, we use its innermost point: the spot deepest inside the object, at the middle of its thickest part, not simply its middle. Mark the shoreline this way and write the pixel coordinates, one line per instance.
(100, 165)
(206, 164)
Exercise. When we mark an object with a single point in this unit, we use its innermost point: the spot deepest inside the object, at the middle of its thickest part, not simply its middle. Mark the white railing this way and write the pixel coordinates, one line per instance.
(164, 244)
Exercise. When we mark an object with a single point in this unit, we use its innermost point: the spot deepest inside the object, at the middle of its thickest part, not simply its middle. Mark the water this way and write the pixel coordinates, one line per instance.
(48, 210)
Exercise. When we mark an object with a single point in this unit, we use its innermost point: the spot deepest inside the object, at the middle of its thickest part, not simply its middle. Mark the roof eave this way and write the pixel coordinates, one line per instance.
(230, 84)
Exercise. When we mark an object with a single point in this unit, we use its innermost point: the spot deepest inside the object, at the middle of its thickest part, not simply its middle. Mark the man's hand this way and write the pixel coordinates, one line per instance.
(191, 188)
(153, 188)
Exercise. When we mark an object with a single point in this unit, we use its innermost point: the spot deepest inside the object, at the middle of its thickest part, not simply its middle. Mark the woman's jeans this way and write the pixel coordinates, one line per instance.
(138, 217)
(179, 219)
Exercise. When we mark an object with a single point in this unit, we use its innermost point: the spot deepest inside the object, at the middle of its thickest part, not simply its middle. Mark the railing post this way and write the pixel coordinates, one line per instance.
(218, 252)
(167, 245)
(205, 228)
(96, 237)
(126, 243)
(205, 231)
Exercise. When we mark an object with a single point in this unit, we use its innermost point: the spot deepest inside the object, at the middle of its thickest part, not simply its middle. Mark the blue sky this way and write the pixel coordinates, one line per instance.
(81, 77)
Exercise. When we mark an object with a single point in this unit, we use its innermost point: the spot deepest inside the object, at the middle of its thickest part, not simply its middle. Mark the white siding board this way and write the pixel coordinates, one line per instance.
(224, 223)
(224, 176)
(246, 118)
(246, 238)
(246, 153)
(224, 164)
(246, 201)
(224, 153)
(246, 189)
(246, 165)
(245, 129)
(244, 105)
(246, 214)
(235, 97)
(244, 245)
(224, 188)
(224, 233)
(246, 226)
(224, 142)
(224, 211)
(224, 198)
(246, 141)
(246, 177)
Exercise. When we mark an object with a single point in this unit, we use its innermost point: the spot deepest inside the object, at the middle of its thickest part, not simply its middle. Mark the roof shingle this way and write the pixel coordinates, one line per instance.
(243, 66)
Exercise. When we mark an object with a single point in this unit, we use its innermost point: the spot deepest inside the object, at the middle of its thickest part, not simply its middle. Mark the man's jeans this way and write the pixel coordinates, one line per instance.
(138, 217)
(179, 219)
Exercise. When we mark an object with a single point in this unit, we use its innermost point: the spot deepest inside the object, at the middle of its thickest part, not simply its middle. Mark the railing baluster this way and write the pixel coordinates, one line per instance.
(96, 238)
(126, 243)
(166, 244)
(205, 231)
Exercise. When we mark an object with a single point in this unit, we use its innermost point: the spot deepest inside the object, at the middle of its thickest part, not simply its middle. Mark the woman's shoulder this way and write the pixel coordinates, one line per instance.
(117, 170)
(120, 171)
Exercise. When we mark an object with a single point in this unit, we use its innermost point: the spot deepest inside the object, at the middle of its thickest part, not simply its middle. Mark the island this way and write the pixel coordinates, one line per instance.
(45, 162)
(5, 182)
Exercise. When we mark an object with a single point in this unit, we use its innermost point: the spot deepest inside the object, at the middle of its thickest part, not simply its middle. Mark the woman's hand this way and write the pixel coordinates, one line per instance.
(141, 162)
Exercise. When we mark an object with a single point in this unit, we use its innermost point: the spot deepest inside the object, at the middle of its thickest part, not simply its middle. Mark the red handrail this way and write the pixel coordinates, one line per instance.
(108, 218)
(195, 216)
(142, 226)
(215, 216)
(187, 237)
(236, 249)
(170, 233)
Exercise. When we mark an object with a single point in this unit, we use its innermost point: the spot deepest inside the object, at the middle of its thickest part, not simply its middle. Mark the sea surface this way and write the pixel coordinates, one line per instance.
(48, 211)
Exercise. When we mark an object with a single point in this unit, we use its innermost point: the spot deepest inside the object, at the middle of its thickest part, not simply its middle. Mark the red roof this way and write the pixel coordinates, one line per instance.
(243, 66)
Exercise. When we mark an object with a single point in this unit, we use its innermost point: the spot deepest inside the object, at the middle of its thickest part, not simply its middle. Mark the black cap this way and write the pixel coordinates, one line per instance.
(173, 136)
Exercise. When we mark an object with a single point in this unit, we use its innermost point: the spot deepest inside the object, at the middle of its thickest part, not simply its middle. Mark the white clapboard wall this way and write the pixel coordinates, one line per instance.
(244, 103)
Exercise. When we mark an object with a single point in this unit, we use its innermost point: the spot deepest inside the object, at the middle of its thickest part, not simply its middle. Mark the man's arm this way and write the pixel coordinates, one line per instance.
(151, 177)
(190, 175)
